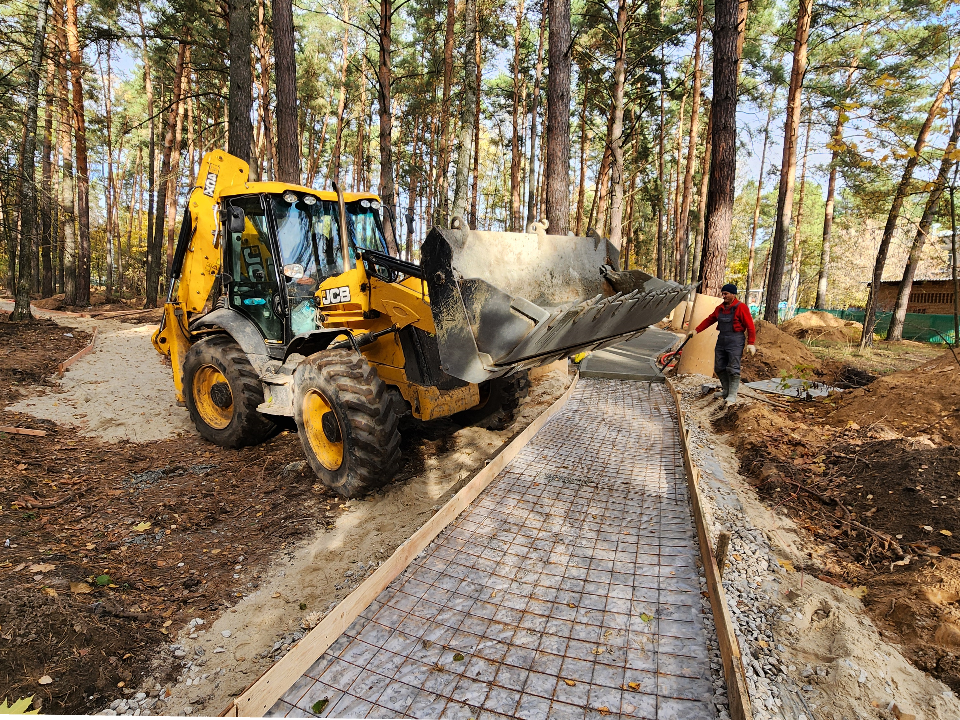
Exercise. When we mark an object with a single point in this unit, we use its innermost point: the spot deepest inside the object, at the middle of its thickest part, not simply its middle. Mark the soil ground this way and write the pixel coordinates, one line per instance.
(873, 475)
(110, 548)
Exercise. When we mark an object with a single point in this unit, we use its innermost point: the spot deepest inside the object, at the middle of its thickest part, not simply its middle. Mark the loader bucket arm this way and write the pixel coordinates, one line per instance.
(479, 283)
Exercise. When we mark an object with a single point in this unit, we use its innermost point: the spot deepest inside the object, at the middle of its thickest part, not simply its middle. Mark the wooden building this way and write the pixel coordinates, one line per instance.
(927, 296)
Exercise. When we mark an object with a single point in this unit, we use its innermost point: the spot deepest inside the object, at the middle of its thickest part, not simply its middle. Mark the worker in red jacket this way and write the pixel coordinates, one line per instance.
(733, 319)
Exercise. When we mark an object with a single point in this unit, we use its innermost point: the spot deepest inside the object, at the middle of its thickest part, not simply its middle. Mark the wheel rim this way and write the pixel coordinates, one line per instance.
(322, 428)
(212, 397)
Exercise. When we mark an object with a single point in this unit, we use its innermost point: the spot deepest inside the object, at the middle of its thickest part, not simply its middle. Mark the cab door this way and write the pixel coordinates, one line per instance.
(255, 289)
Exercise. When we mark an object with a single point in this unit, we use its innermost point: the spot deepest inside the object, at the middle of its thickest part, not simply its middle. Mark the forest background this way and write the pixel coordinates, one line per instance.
(600, 116)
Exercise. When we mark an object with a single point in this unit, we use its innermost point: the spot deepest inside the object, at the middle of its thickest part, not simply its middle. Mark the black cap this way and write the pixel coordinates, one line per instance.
(730, 288)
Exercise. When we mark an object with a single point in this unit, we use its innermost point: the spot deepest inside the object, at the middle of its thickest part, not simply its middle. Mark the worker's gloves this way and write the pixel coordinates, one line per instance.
(691, 333)
(752, 349)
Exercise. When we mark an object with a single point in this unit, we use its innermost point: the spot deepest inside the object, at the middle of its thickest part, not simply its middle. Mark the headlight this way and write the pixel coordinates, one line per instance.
(364, 203)
(290, 197)
(375, 205)
(309, 200)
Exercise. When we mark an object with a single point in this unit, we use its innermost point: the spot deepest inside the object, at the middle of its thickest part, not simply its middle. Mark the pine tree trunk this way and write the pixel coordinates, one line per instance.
(67, 203)
(675, 213)
(702, 201)
(599, 223)
(797, 256)
(153, 264)
(616, 136)
(110, 187)
(240, 126)
(756, 206)
(152, 250)
(723, 167)
(534, 110)
(926, 222)
(870, 319)
(476, 143)
(173, 181)
(28, 198)
(385, 98)
(46, 196)
(558, 118)
(788, 167)
(333, 170)
(266, 116)
(443, 165)
(465, 153)
(288, 130)
(515, 183)
(661, 250)
(683, 223)
(82, 168)
(584, 142)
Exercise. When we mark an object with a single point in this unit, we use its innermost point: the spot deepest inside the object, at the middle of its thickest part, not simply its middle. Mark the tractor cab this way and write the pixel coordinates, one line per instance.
(279, 246)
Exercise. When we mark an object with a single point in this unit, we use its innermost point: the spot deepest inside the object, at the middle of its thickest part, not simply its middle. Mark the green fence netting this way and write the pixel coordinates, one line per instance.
(937, 329)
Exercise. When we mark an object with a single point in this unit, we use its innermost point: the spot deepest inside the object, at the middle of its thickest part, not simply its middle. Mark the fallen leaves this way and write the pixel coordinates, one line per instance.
(42, 567)
(141, 526)
(45, 680)
(571, 683)
(646, 618)
(49, 592)
(947, 533)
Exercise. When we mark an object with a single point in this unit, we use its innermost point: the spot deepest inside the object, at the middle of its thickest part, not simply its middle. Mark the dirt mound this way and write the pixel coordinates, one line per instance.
(777, 352)
(924, 401)
(819, 325)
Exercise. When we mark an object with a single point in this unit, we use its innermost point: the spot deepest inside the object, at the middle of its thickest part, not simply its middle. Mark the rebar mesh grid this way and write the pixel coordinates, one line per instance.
(569, 589)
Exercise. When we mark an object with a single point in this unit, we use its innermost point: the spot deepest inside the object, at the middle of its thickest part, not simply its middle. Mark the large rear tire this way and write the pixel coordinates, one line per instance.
(347, 421)
(222, 391)
(500, 399)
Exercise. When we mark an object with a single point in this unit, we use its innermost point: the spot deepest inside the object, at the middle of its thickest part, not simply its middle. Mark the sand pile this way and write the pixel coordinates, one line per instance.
(819, 325)
(923, 401)
(777, 352)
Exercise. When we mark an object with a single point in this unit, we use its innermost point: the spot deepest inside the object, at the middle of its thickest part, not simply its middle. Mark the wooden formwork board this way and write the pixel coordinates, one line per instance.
(256, 700)
(76, 356)
(733, 670)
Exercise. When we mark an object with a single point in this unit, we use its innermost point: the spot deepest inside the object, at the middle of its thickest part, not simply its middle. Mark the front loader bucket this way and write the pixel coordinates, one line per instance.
(508, 301)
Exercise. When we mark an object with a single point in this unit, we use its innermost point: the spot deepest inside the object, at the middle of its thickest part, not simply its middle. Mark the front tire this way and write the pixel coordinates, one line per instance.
(500, 399)
(222, 391)
(347, 421)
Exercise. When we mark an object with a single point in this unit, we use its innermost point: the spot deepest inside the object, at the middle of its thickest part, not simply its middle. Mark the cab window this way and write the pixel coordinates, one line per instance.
(254, 290)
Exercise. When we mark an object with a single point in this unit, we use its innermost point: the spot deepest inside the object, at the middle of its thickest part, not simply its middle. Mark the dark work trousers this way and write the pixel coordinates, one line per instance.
(730, 345)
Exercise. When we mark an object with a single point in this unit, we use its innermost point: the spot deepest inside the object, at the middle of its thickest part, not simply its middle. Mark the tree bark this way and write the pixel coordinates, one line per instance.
(28, 198)
(153, 262)
(384, 78)
(797, 249)
(288, 131)
(443, 163)
(675, 209)
(67, 206)
(788, 167)
(723, 167)
(333, 171)
(240, 126)
(702, 200)
(661, 250)
(584, 142)
(616, 136)
(476, 138)
(926, 222)
(515, 183)
(558, 118)
(465, 153)
(46, 201)
(82, 167)
(756, 206)
(683, 224)
(152, 250)
(532, 193)
(110, 187)
(870, 319)
(173, 179)
(266, 116)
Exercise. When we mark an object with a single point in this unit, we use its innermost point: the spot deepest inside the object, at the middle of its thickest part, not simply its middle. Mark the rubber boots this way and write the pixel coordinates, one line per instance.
(733, 385)
(724, 384)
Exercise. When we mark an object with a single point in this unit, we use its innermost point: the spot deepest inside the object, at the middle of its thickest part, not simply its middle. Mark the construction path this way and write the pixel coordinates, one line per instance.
(568, 589)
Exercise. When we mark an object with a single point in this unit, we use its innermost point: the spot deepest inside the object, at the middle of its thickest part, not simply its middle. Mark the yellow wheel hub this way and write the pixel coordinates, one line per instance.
(212, 397)
(323, 430)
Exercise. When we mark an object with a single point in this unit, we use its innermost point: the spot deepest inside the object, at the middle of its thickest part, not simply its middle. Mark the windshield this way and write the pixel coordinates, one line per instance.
(363, 219)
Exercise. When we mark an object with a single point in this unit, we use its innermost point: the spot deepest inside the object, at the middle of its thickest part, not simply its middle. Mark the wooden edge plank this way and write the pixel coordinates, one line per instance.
(733, 670)
(270, 687)
(76, 356)
(22, 431)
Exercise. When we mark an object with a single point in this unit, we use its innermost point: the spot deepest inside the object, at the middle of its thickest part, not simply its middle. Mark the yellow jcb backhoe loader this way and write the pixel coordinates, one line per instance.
(309, 316)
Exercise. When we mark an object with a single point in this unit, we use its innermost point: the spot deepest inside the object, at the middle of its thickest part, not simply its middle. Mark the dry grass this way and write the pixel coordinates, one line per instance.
(883, 358)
